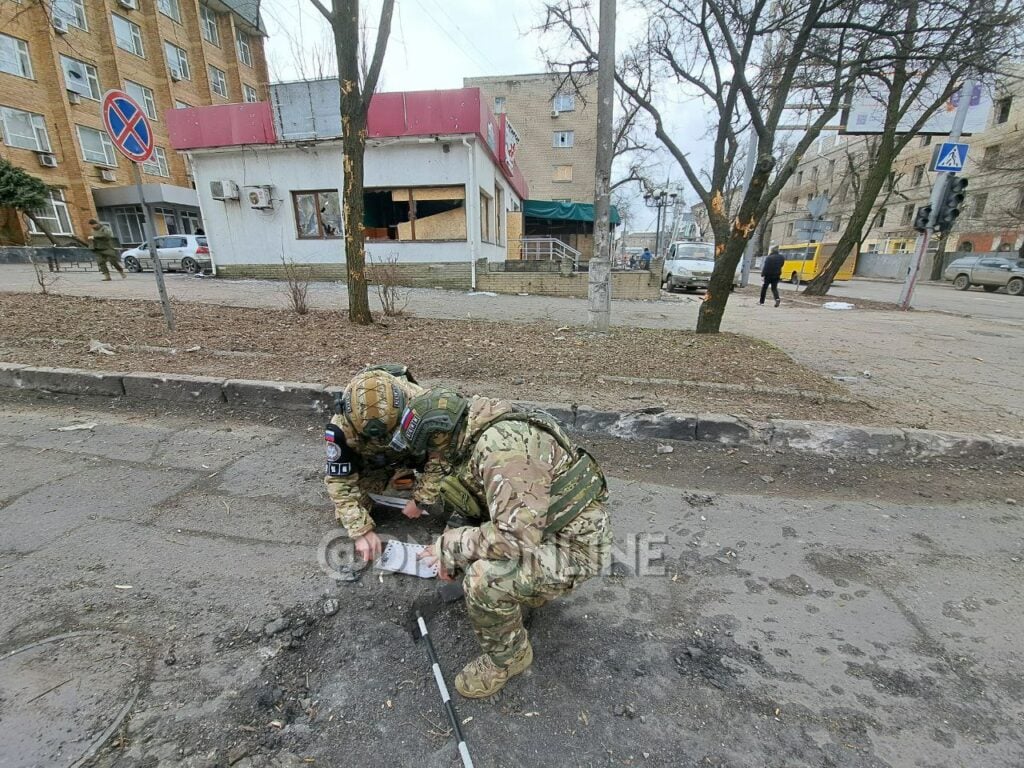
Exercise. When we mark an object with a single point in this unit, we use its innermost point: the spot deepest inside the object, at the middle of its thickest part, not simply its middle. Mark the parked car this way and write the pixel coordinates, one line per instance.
(990, 272)
(188, 253)
(688, 266)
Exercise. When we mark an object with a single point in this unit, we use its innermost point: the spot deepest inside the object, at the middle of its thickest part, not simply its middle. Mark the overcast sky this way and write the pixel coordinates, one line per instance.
(434, 44)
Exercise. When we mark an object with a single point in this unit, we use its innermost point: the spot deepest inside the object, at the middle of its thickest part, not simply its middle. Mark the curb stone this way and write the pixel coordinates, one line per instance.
(177, 388)
(286, 395)
(69, 381)
(648, 423)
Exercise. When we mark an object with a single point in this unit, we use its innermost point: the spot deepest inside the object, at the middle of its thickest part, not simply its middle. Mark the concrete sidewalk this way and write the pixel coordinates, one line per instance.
(945, 371)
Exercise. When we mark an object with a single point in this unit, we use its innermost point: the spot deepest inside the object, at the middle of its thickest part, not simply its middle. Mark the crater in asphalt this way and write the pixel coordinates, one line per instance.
(62, 697)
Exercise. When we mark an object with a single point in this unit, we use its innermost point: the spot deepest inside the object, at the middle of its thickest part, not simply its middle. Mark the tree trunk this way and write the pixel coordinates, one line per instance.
(353, 145)
(731, 237)
(937, 258)
(709, 318)
(820, 283)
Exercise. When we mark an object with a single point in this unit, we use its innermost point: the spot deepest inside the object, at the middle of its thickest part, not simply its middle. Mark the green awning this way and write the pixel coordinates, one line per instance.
(555, 211)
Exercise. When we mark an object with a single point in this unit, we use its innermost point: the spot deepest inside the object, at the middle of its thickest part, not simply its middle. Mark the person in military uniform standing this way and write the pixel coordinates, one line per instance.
(543, 529)
(360, 458)
(104, 246)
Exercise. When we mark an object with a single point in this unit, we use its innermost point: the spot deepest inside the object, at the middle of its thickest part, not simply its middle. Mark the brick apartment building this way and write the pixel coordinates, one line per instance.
(56, 61)
(992, 218)
(557, 130)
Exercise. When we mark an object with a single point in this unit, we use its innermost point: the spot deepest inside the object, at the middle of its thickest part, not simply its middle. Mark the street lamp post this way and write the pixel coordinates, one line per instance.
(660, 199)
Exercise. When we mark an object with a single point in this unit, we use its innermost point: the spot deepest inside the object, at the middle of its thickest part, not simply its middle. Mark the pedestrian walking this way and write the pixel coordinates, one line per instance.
(103, 245)
(771, 273)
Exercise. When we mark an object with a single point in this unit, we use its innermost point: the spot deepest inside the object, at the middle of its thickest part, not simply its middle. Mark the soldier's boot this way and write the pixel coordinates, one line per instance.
(482, 677)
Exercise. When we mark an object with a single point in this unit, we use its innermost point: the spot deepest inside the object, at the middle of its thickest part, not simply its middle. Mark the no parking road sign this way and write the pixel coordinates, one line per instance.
(132, 134)
(127, 126)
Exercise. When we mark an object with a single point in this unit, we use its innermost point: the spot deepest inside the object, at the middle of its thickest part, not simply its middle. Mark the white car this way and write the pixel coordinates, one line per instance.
(689, 266)
(188, 253)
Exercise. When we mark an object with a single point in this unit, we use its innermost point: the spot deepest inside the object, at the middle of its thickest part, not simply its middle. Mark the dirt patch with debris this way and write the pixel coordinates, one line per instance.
(627, 367)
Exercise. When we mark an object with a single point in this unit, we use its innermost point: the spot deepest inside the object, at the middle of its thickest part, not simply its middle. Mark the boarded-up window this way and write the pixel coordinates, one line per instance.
(317, 214)
(417, 213)
(562, 173)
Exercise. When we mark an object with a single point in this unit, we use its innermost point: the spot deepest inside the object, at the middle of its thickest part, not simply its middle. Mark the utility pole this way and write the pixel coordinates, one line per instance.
(938, 193)
(748, 174)
(599, 287)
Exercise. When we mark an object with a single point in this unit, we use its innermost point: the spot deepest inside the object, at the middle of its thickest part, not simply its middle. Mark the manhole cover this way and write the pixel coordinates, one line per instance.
(62, 697)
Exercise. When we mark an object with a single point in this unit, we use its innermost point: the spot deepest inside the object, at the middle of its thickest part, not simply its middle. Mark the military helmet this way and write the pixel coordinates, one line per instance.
(428, 419)
(372, 403)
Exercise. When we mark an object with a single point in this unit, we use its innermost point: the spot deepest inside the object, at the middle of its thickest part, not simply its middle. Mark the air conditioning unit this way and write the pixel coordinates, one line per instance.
(60, 26)
(74, 98)
(225, 189)
(131, 5)
(107, 174)
(259, 197)
(47, 160)
(554, 113)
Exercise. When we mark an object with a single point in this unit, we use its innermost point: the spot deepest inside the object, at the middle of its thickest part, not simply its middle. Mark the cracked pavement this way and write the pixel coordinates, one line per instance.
(836, 613)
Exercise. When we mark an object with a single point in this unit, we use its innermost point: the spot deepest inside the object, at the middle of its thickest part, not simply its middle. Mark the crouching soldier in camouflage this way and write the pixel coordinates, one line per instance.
(360, 459)
(540, 503)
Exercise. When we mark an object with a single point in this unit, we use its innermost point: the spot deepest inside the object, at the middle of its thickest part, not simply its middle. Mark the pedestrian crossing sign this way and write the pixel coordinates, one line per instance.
(949, 157)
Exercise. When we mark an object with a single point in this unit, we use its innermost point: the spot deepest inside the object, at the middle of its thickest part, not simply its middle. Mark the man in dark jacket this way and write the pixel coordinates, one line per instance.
(771, 272)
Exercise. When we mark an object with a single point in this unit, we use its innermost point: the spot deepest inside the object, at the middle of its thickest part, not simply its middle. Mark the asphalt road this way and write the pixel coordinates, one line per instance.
(803, 612)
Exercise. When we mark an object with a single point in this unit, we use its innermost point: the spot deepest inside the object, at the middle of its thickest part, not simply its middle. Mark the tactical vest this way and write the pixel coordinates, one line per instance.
(571, 492)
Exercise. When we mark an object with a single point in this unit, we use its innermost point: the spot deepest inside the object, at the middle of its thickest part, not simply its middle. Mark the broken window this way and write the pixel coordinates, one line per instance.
(317, 214)
(424, 214)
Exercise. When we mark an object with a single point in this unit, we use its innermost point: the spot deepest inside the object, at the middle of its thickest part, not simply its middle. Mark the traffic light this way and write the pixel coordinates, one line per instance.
(923, 215)
(952, 199)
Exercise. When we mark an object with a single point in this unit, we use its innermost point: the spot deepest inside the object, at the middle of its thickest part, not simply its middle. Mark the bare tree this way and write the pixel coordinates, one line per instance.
(923, 50)
(356, 93)
(740, 59)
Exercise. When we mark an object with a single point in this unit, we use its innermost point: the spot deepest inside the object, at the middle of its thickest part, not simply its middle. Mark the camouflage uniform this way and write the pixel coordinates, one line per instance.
(379, 463)
(105, 248)
(511, 560)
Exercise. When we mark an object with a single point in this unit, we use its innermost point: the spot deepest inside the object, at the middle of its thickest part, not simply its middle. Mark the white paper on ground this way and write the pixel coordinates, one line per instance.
(399, 557)
(837, 305)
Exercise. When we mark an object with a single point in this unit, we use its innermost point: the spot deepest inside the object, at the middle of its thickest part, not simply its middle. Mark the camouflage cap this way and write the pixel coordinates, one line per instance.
(372, 403)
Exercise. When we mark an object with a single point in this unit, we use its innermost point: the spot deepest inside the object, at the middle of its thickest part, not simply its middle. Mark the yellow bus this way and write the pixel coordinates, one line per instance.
(805, 260)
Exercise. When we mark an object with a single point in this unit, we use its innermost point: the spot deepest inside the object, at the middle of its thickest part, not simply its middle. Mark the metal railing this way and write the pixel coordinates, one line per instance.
(545, 249)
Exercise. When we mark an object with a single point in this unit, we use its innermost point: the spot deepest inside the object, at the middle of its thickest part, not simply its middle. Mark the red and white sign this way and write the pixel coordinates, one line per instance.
(127, 126)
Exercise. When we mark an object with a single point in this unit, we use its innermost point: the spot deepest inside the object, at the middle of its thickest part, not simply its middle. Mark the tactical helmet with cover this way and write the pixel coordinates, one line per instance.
(431, 421)
(373, 402)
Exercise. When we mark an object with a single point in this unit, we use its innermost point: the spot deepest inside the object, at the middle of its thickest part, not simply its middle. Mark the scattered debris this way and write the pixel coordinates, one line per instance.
(276, 626)
(76, 427)
(98, 347)
(331, 606)
(665, 449)
(837, 305)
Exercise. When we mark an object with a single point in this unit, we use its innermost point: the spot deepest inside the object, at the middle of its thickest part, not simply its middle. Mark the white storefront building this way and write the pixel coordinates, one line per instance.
(440, 178)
